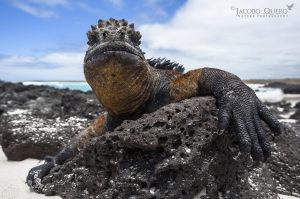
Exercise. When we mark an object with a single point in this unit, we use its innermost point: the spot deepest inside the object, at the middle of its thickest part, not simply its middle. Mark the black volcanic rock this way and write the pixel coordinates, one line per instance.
(296, 115)
(175, 152)
(297, 106)
(38, 120)
(286, 88)
(280, 108)
(284, 165)
(27, 136)
(48, 102)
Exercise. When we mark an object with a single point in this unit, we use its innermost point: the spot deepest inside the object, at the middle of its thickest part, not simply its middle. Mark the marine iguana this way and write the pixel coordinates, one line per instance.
(129, 85)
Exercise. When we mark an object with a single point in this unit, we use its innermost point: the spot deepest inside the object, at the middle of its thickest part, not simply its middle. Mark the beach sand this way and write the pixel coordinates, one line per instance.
(12, 179)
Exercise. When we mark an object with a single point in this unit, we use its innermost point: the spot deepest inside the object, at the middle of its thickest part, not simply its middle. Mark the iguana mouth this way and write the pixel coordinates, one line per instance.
(125, 49)
(112, 48)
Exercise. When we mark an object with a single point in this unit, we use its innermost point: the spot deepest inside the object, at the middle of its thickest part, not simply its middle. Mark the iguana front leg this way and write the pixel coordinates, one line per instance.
(102, 124)
(236, 102)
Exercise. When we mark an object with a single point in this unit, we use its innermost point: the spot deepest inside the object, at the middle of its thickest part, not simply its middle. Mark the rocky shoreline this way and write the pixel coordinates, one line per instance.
(286, 88)
(175, 152)
(39, 120)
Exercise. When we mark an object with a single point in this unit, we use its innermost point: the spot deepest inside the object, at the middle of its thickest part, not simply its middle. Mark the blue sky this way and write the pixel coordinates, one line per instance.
(46, 39)
(37, 27)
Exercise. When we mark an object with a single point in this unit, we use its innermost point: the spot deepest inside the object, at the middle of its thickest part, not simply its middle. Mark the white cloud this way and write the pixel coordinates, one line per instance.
(63, 59)
(156, 8)
(52, 66)
(48, 8)
(51, 2)
(35, 11)
(87, 8)
(117, 2)
(203, 33)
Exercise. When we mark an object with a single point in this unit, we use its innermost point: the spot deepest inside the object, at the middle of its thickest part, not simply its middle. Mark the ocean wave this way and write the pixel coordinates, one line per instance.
(82, 86)
(267, 94)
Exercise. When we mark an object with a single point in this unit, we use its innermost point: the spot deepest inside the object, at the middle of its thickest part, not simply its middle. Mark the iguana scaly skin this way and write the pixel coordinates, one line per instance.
(129, 85)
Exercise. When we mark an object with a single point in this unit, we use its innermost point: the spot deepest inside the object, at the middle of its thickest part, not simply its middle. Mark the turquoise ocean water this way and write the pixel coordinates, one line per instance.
(82, 86)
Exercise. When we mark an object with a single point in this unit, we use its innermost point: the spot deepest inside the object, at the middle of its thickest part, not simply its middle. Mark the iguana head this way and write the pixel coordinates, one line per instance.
(112, 38)
(115, 66)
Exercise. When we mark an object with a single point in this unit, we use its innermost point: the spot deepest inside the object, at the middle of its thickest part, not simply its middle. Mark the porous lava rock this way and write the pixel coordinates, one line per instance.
(174, 152)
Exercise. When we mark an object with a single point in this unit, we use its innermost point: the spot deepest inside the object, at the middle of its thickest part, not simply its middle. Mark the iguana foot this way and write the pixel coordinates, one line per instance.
(36, 174)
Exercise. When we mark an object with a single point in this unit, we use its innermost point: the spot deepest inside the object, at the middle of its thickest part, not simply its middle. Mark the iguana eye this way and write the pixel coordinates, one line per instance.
(104, 34)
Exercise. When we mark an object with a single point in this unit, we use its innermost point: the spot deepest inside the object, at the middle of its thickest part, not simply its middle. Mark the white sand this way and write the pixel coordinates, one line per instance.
(12, 179)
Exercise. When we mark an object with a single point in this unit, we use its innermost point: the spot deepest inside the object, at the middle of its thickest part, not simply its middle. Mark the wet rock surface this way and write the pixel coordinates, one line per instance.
(280, 108)
(296, 115)
(286, 88)
(37, 120)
